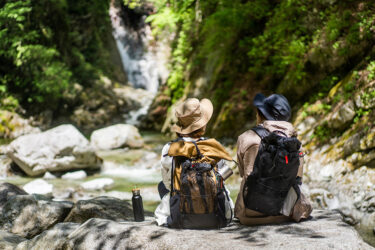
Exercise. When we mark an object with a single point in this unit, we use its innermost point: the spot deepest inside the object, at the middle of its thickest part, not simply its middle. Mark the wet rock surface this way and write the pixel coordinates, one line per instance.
(59, 149)
(325, 230)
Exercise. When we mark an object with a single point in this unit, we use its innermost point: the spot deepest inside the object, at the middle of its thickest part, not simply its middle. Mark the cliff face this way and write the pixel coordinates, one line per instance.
(229, 50)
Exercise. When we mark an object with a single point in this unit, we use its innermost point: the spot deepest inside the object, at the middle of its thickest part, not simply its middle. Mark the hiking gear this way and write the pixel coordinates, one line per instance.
(192, 115)
(225, 171)
(198, 196)
(274, 107)
(137, 203)
(274, 173)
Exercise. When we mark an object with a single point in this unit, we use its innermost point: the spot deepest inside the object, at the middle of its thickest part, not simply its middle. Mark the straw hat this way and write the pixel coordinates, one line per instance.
(192, 115)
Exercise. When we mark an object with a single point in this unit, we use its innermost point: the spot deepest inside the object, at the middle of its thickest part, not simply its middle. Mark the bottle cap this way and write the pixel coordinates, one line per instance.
(136, 191)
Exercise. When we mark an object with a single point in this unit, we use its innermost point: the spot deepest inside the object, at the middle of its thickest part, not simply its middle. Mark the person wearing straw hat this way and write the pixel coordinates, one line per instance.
(273, 114)
(193, 116)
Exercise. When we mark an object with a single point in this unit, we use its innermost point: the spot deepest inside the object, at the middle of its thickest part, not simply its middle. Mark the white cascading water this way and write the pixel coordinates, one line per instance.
(144, 68)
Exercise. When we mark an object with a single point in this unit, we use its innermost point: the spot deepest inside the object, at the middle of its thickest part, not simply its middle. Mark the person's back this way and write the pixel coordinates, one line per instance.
(193, 194)
(272, 114)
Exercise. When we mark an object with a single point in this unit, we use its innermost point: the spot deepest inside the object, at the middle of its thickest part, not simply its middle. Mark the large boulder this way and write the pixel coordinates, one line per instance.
(116, 136)
(324, 231)
(59, 149)
(29, 215)
(100, 207)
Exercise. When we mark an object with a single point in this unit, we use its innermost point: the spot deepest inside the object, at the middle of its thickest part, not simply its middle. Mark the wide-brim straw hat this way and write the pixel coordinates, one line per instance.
(192, 115)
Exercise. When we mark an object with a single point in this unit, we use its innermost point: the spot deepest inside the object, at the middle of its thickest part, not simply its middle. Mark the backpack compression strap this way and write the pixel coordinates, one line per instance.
(260, 131)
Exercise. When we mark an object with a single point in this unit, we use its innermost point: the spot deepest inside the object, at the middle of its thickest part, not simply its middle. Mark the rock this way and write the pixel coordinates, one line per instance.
(97, 184)
(59, 149)
(352, 144)
(53, 238)
(134, 98)
(64, 194)
(363, 99)
(29, 215)
(116, 136)
(9, 241)
(100, 207)
(77, 175)
(368, 141)
(325, 230)
(38, 186)
(306, 125)
(12, 125)
(343, 115)
(48, 176)
(5, 166)
(7, 191)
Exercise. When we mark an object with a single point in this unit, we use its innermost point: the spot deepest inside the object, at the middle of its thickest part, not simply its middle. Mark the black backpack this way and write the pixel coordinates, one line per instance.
(274, 173)
(199, 200)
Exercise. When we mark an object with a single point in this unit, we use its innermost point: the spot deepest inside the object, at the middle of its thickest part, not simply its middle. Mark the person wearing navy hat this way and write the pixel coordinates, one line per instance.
(273, 113)
(274, 108)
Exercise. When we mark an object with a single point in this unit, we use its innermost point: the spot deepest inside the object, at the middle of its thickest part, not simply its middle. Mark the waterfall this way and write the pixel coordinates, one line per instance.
(133, 39)
(142, 57)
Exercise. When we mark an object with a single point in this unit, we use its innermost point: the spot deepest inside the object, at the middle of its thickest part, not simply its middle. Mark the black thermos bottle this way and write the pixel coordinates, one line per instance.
(137, 205)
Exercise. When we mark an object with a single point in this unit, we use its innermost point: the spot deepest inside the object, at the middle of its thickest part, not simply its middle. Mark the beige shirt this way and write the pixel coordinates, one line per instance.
(247, 149)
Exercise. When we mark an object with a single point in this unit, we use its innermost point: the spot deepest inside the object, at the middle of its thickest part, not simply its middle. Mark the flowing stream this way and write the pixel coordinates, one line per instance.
(144, 60)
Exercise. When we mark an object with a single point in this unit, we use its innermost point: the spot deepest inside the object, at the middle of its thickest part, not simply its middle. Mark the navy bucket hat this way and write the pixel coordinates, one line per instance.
(274, 107)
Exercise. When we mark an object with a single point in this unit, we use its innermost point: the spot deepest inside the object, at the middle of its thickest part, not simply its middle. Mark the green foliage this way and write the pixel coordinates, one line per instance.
(47, 46)
(371, 71)
(323, 133)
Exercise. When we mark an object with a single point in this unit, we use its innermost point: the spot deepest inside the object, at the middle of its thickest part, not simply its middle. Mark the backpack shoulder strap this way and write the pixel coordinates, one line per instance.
(260, 131)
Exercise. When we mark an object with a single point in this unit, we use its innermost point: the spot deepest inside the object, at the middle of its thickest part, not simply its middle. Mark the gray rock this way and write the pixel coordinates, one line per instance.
(116, 136)
(324, 230)
(53, 238)
(100, 207)
(9, 241)
(368, 141)
(343, 115)
(59, 149)
(7, 191)
(352, 144)
(364, 100)
(38, 186)
(29, 215)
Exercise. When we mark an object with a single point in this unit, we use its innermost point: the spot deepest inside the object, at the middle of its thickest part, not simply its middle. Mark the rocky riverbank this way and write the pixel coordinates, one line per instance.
(37, 222)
